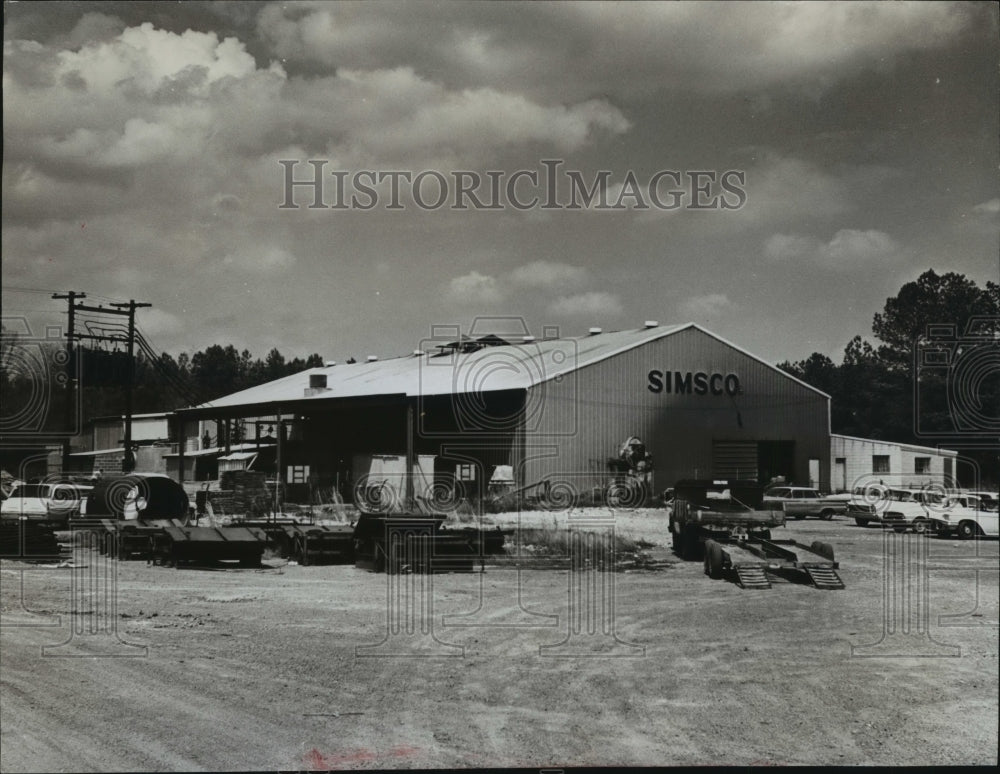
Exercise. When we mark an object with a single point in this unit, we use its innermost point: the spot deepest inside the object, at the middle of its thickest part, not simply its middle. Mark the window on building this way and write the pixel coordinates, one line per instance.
(880, 463)
(921, 465)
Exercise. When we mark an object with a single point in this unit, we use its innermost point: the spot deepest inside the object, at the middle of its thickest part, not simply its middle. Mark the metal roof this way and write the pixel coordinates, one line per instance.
(908, 446)
(514, 366)
(219, 449)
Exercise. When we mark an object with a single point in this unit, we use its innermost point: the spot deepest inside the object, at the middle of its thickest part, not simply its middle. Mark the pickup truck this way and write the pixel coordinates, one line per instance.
(800, 501)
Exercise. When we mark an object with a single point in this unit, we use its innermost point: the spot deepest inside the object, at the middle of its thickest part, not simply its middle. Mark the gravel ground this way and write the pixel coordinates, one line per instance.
(292, 667)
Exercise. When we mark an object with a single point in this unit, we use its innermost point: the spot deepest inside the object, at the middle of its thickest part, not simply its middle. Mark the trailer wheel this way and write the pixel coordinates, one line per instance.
(920, 526)
(713, 559)
(826, 514)
(823, 549)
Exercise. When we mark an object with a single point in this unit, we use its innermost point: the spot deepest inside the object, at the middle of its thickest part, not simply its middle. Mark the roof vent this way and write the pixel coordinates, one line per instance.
(418, 352)
(372, 358)
(594, 331)
(329, 363)
(527, 338)
(651, 323)
(317, 384)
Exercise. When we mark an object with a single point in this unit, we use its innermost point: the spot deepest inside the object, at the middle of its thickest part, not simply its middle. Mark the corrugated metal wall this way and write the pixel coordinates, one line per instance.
(584, 418)
(858, 454)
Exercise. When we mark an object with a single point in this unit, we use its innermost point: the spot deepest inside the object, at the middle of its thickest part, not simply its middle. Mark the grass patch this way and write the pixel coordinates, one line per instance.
(552, 547)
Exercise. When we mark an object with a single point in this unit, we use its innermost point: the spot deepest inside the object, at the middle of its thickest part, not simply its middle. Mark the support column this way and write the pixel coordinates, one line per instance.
(181, 441)
(280, 428)
(411, 459)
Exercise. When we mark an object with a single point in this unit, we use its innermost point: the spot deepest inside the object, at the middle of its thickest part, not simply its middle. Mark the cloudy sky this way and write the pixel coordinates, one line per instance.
(142, 144)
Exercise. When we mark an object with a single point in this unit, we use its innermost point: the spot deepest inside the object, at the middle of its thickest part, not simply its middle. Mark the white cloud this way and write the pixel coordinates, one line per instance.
(550, 275)
(147, 58)
(401, 111)
(593, 304)
(991, 207)
(780, 188)
(848, 249)
(788, 247)
(850, 246)
(157, 322)
(260, 259)
(709, 305)
(748, 47)
(475, 288)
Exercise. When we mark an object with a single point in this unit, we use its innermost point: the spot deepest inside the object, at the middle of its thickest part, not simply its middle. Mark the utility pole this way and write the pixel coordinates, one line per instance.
(71, 385)
(128, 461)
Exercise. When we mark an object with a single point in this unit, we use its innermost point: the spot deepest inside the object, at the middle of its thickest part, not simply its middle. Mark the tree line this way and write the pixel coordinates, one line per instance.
(33, 382)
(931, 378)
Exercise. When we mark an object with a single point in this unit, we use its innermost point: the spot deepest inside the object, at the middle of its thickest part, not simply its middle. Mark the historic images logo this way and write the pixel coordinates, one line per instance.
(549, 188)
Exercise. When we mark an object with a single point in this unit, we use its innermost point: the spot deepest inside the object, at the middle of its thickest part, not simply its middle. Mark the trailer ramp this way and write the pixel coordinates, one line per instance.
(752, 578)
(824, 577)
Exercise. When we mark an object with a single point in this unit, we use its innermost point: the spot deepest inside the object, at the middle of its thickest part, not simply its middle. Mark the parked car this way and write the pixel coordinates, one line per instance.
(800, 501)
(869, 503)
(45, 502)
(989, 500)
(913, 508)
(965, 522)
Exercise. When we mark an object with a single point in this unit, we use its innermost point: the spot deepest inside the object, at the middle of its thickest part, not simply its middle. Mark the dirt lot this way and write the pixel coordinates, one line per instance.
(261, 669)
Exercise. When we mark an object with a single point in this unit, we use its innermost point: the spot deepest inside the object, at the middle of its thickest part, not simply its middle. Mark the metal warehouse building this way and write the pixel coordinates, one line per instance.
(553, 409)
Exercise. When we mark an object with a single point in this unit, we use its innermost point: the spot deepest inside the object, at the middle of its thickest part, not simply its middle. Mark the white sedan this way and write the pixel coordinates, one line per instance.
(44, 502)
(966, 523)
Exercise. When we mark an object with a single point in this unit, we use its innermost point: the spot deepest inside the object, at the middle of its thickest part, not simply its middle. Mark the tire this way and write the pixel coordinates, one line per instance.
(823, 549)
(920, 526)
(826, 515)
(967, 530)
(713, 559)
(861, 522)
(798, 516)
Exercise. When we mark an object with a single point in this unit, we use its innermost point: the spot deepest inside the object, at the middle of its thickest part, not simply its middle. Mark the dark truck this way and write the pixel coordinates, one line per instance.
(726, 525)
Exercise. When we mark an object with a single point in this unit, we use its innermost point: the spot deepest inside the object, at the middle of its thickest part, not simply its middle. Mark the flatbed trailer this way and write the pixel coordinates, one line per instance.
(309, 543)
(748, 560)
(410, 542)
(179, 545)
(721, 523)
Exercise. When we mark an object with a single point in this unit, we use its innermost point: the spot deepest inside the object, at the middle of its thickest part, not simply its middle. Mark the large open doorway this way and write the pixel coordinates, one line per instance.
(775, 459)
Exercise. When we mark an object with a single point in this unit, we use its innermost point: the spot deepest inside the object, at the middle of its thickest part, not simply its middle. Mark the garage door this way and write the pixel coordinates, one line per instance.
(734, 459)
